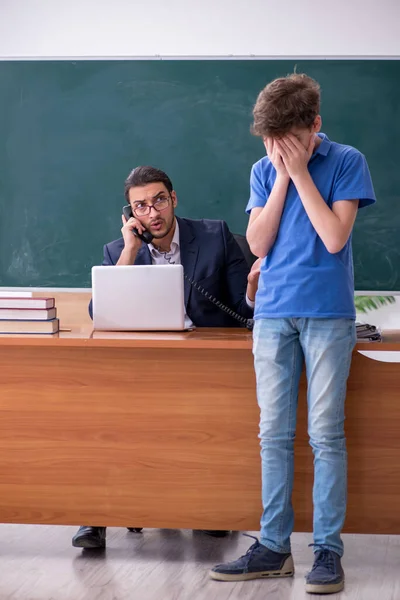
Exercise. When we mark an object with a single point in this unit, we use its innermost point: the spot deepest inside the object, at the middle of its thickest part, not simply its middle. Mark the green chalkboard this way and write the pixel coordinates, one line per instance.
(71, 132)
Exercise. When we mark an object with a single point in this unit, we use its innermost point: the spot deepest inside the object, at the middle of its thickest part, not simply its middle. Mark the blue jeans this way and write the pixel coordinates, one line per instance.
(281, 346)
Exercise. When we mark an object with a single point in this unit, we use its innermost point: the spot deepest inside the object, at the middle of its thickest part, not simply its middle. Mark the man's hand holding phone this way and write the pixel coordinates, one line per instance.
(132, 242)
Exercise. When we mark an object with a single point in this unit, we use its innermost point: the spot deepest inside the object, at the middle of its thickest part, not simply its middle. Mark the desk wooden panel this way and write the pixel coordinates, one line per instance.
(160, 430)
(119, 436)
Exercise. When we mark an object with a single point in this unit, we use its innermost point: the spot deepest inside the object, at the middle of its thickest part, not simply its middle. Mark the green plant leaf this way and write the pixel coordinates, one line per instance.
(367, 303)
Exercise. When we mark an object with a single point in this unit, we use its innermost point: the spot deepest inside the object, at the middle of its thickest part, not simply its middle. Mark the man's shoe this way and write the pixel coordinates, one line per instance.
(327, 575)
(90, 537)
(259, 561)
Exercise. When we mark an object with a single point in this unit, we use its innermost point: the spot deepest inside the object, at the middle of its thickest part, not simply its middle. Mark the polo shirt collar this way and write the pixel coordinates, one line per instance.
(324, 146)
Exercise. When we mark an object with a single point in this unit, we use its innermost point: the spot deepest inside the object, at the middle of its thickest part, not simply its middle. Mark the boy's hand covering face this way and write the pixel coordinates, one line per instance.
(275, 156)
(294, 155)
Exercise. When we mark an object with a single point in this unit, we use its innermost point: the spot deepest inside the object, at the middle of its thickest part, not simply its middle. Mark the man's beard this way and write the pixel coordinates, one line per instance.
(159, 235)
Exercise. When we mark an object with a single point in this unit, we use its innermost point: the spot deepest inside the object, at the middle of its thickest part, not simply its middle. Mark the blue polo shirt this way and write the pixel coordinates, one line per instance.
(299, 277)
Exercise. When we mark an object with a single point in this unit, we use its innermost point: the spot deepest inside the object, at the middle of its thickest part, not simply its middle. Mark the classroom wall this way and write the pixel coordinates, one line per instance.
(96, 28)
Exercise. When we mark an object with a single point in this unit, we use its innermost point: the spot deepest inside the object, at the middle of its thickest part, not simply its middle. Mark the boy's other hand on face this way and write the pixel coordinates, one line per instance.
(275, 157)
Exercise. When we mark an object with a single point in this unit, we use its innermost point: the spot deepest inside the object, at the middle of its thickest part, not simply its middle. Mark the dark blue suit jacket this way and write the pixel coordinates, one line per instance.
(211, 256)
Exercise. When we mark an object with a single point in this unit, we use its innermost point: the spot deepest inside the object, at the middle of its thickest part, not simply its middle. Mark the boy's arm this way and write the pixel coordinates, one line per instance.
(334, 225)
(264, 221)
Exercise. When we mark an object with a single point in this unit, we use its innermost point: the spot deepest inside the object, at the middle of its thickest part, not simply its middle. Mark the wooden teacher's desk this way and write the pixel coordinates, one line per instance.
(160, 430)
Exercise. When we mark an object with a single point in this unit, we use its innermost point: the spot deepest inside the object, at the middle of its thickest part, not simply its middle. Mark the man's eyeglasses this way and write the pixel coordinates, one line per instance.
(141, 209)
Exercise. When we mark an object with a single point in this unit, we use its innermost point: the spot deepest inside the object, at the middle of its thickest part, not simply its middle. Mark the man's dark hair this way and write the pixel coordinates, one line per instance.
(143, 175)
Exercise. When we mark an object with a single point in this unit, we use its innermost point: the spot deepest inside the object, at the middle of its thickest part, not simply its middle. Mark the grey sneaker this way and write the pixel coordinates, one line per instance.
(259, 561)
(327, 575)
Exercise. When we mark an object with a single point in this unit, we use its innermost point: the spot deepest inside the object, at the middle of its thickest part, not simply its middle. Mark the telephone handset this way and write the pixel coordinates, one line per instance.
(146, 236)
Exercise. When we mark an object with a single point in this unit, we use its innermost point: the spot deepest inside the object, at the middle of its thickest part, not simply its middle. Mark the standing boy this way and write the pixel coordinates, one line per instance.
(304, 199)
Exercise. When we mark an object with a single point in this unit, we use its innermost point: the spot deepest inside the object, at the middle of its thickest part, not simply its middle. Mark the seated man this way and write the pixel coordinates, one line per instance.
(206, 249)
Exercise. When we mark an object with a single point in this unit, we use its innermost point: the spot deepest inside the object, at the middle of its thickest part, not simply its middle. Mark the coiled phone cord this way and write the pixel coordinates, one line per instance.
(249, 323)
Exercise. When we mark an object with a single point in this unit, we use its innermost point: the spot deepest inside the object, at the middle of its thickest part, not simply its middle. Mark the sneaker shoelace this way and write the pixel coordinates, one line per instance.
(253, 548)
(324, 559)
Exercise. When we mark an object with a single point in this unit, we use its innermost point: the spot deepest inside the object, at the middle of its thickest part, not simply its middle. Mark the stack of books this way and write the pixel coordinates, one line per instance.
(28, 315)
(368, 333)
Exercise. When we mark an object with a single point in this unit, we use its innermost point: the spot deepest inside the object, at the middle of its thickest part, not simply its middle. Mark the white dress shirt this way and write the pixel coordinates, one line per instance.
(174, 256)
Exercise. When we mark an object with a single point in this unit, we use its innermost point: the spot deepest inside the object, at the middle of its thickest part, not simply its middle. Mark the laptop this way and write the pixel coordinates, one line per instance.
(138, 298)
